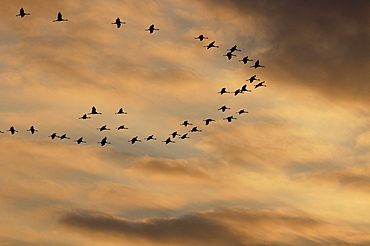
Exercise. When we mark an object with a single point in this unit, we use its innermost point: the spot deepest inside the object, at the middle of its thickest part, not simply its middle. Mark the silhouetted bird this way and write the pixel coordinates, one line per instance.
(121, 127)
(84, 117)
(208, 121)
(134, 140)
(151, 29)
(237, 91)
(253, 78)
(223, 108)
(54, 135)
(151, 137)
(64, 136)
(222, 91)
(1, 132)
(244, 88)
(60, 18)
(12, 130)
(121, 111)
(232, 49)
(93, 111)
(195, 129)
(32, 129)
(229, 55)
(22, 13)
(103, 128)
(80, 140)
(118, 22)
(242, 111)
(229, 118)
(257, 64)
(104, 141)
(259, 84)
(201, 37)
(168, 140)
(185, 123)
(184, 136)
(174, 134)
(245, 60)
(210, 45)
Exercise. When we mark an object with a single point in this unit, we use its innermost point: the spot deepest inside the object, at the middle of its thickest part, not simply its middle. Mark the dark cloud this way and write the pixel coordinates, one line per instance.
(323, 45)
(224, 226)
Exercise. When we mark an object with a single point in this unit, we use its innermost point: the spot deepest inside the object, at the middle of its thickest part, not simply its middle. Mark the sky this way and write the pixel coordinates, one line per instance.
(294, 170)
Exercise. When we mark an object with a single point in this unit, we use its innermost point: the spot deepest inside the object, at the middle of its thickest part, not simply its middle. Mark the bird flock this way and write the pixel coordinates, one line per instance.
(172, 136)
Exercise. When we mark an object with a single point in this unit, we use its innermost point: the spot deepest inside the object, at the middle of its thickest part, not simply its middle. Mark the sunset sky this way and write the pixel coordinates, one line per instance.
(295, 170)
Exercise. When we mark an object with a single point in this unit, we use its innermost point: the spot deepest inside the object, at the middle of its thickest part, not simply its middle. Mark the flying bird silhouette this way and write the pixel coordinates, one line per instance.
(244, 88)
(103, 128)
(134, 140)
(260, 84)
(121, 127)
(93, 111)
(84, 117)
(242, 111)
(151, 137)
(174, 134)
(207, 121)
(121, 111)
(229, 55)
(12, 130)
(237, 91)
(223, 108)
(185, 123)
(32, 129)
(53, 135)
(151, 29)
(64, 136)
(60, 18)
(118, 22)
(257, 64)
(184, 136)
(223, 91)
(245, 60)
(22, 13)
(212, 44)
(201, 37)
(252, 78)
(80, 140)
(232, 49)
(229, 118)
(195, 129)
(168, 140)
(104, 141)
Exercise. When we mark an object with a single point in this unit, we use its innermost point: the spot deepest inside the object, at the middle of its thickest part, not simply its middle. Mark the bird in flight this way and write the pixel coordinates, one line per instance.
(121, 111)
(232, 49)
(223, 91)
(151, 137)
(185, 123)
(244, 88)
(184, 136)
(104, 141)
(229, 55)
(64, 136)
(121, 127)
(32, 129)
(195, 129)
(174, 134)
(168, 140)
(257, 64)
(201, 37)
(207, 121)
(84, 117)
(260, 84)
(151, 29)
(53, 135)
(12, 130)
(60, 18)
(103, 128)
(245, 60)
(118, 22)
(242, 111)
(229, 118)
(134, 140)
(22, 13)
(212, 44)
(93, 111)
(223, 108)
(80, 140)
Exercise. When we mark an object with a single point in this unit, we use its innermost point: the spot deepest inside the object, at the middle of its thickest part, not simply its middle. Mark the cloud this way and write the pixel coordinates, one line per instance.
(321, 45)
(221, 227)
